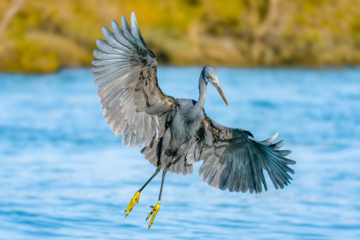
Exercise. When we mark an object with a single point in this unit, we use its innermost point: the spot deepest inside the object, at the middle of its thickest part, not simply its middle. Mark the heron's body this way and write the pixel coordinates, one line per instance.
(180, 128)
(184, 123)
(173, 148)
(175, 133)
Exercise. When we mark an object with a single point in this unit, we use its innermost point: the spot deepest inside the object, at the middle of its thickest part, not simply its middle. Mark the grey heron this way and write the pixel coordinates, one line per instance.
(175, 133)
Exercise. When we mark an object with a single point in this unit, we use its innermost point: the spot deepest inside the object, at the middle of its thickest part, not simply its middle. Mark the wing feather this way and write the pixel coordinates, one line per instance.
(125, 71)
(111, 39)
(105, 47)
(101, 62)
(234, 160)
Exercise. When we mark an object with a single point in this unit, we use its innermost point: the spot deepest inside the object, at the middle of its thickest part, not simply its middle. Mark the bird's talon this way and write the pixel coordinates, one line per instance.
(132, 202)
(153, 213)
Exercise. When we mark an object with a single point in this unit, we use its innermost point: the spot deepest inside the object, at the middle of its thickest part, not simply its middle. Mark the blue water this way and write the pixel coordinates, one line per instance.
(64, 174)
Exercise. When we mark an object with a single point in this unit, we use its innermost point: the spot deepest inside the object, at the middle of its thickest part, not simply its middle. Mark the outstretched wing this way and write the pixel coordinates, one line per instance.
(233, 159)
(125, 72)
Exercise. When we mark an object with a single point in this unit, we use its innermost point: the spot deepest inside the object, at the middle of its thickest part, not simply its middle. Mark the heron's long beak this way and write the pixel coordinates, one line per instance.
(222, 94)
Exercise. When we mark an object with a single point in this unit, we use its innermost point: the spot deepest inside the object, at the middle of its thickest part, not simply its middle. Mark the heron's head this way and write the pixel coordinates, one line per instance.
(210, 75)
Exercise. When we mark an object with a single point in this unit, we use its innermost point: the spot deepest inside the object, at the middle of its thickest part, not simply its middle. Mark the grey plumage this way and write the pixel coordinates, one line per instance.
(175, 133)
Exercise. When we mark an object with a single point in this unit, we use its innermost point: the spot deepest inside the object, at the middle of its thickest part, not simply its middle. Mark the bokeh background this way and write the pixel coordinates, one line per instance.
(286, 66)
(46, 35)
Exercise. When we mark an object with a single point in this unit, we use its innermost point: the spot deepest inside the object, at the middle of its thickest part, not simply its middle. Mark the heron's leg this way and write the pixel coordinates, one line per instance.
(156, 208)
(136, 196)
(155, 173)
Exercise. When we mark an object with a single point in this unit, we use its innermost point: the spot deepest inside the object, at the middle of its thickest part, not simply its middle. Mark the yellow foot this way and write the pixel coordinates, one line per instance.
(132, 202)
(153, 212)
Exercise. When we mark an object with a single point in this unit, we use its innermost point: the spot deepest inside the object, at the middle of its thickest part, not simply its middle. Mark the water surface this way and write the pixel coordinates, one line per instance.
(64, 174)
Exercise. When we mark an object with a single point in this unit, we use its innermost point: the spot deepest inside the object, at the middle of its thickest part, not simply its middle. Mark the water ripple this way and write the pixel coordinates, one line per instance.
(64, 174)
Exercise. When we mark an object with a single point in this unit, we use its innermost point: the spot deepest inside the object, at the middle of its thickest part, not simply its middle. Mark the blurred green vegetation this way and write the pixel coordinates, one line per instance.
(45, 35)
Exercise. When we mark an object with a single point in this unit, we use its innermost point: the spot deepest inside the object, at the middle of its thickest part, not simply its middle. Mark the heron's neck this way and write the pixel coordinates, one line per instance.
(202, 92)
(202, 96)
